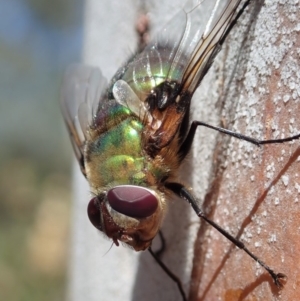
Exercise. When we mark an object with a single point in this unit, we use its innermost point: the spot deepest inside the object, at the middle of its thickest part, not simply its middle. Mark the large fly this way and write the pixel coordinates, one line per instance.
(131, 136)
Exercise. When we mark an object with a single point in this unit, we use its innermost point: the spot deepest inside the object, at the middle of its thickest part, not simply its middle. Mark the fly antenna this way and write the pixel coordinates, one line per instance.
(108, 249)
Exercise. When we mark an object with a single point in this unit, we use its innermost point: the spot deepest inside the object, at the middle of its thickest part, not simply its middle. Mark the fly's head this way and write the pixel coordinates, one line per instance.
(129, 214)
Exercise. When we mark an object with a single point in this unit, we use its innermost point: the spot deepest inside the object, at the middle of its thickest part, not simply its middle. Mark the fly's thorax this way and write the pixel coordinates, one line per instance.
(129, 214)
(119, 154)
(165, 161)
(115, 155)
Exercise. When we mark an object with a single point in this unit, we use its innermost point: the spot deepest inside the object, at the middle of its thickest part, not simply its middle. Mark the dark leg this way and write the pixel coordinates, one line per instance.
(169, 273)
(183, 193)
(186, 145)
(162, 248)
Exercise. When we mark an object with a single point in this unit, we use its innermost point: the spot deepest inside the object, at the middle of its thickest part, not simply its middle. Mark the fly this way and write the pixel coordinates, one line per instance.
(131, 136)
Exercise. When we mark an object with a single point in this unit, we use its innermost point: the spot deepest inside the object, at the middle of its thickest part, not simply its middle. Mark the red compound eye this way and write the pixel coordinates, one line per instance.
(93, 211)
(133, 201)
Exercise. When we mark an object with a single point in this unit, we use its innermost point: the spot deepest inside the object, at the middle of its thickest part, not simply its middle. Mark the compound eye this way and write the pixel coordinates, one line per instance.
(133, 201)
(93, 211)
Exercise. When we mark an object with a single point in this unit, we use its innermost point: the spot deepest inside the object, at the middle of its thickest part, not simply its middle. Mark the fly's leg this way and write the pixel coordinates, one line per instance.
(162, 247)
(169, 273)
(187, 143)
(157, 254)
(278, 278)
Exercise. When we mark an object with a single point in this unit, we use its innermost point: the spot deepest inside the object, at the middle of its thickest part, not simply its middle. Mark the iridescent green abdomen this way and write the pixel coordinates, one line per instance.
(150, 69)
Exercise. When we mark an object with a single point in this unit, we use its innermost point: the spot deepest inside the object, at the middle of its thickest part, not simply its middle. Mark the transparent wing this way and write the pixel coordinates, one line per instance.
(204, 26)
(166, 74)
(183, 49)
(81, 91)
(202, 43)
